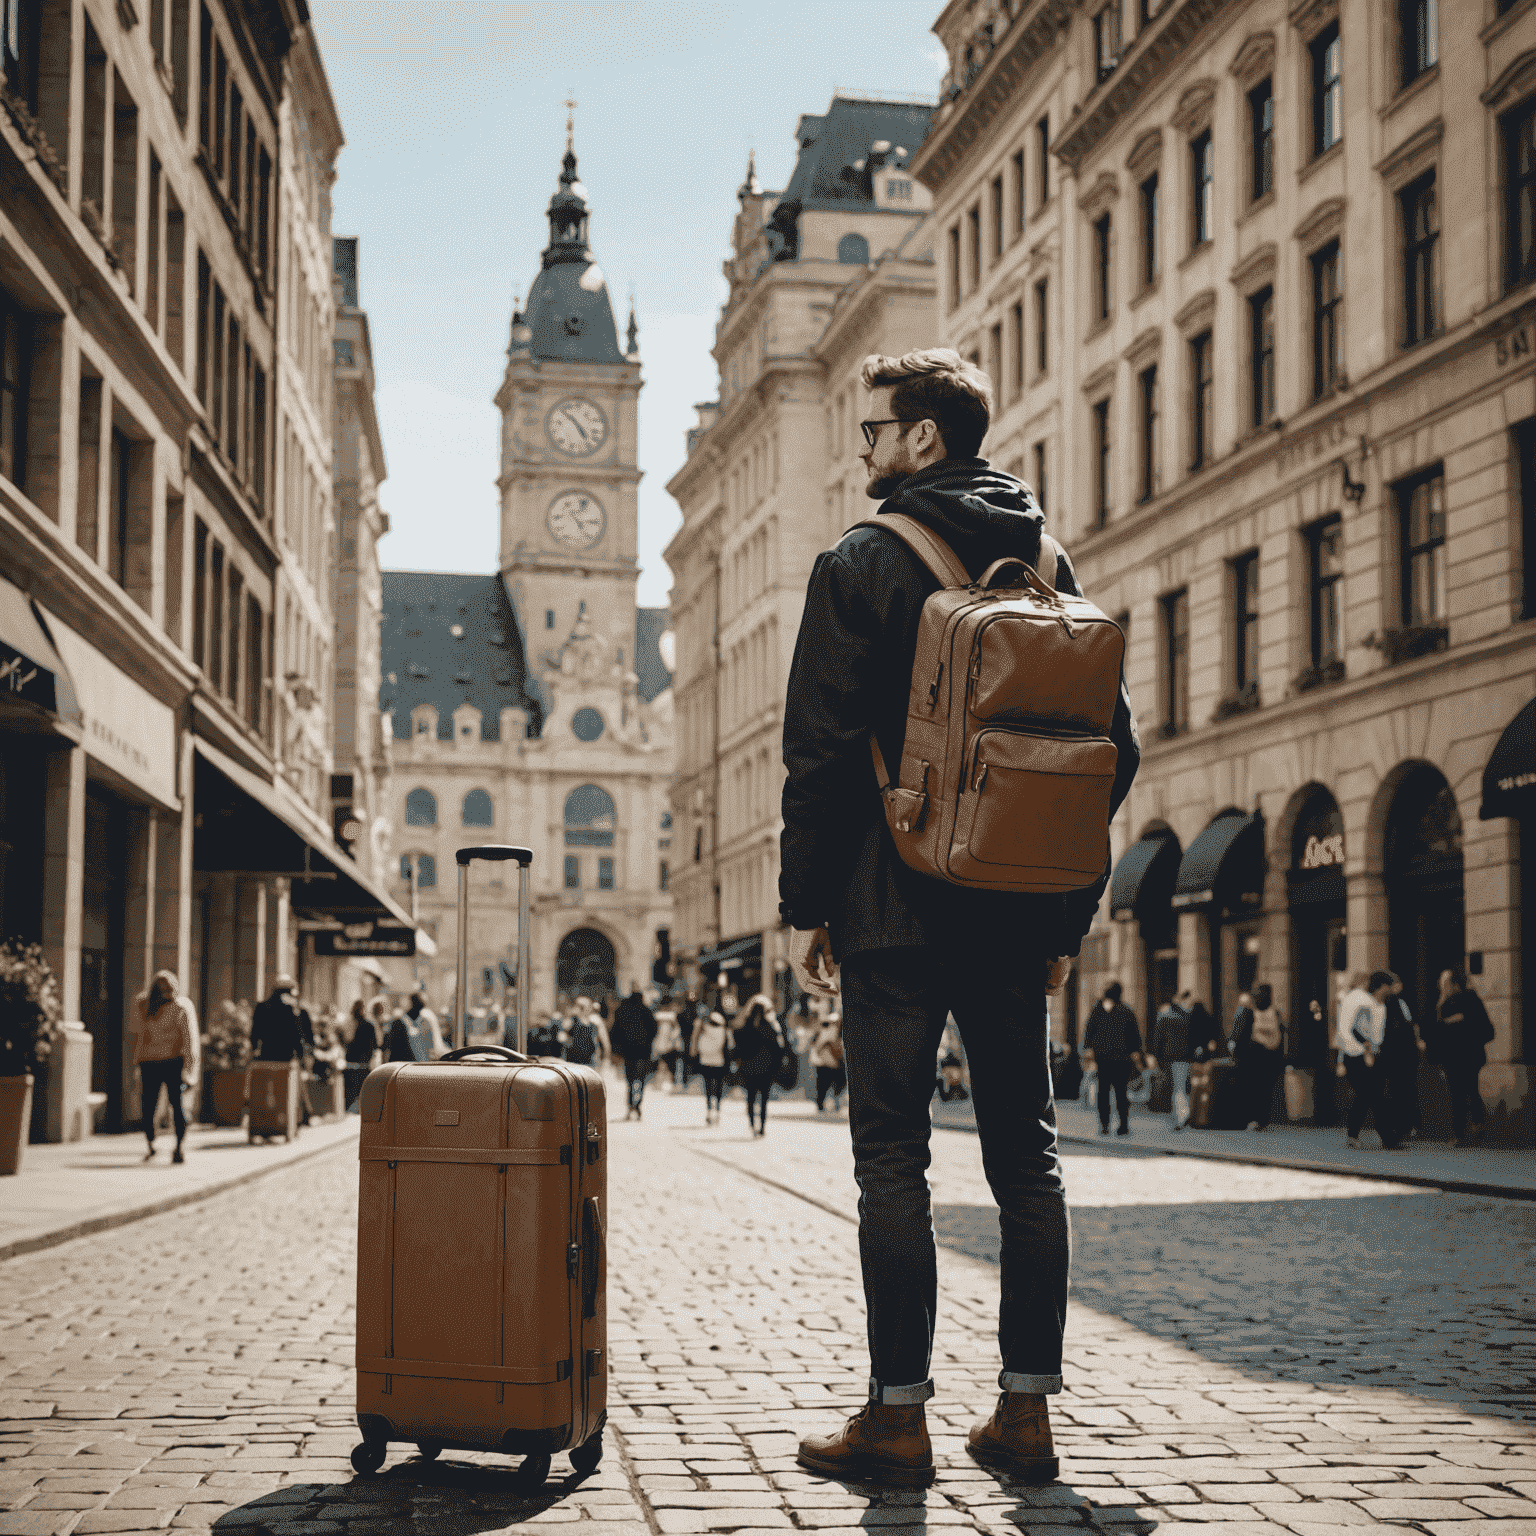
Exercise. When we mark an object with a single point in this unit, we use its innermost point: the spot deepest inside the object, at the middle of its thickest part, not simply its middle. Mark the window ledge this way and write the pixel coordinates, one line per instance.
(1099, 327)
(1151, 291)
(1501, 24)
(1256, 207)
(1328, 156)
(1407, 93)
(1195, 253)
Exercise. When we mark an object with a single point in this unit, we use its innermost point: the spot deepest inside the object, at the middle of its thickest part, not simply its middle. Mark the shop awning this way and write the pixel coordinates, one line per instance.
(31, 670)
(1224, 866)
(1509, 780)
(734, 952)
(244, 825)
(1143, 879)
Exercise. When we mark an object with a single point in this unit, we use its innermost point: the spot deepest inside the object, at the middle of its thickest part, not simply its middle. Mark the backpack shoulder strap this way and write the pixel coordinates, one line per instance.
(939, 558)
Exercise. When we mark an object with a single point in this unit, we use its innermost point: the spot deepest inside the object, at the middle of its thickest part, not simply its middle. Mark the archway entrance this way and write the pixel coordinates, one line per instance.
(585, 965)
(1423, 867)
(1316, 898)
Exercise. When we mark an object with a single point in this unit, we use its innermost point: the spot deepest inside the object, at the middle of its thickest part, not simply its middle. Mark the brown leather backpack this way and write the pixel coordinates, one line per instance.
(1007, 767)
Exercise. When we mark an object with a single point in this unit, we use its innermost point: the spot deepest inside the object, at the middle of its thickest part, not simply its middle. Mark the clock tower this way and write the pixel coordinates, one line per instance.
(569, 462)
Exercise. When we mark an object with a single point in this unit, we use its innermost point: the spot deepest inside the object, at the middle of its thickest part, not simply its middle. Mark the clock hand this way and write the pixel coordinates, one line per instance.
(577, 425)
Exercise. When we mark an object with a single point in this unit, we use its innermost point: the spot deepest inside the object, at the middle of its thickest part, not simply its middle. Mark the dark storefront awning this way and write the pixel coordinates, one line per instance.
(1509, 780)
(1143, 879)
(243, 825)
(732, 953)
(1224, 866)
(31, 670)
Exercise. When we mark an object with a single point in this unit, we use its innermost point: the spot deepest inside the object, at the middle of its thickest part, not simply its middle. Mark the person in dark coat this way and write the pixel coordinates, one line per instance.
(280, 1029)
(1173, 1051)
(1401, 1054)
(757, 1049)
(1114, 1036)
(410, 1037)
(632, 1035)
(1459, 1047)
(1258, 1044)
(363, 1047)
(911, 948)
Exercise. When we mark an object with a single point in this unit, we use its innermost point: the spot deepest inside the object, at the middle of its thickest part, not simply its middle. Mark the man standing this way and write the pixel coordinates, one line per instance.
(280, 1029)
(1362, 1026)
(1113, 1036)
(913, 948)
(632, 1036)
(1173, 1051)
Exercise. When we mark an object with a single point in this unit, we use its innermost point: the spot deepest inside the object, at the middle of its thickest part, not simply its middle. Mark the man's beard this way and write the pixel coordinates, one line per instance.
(887, 484)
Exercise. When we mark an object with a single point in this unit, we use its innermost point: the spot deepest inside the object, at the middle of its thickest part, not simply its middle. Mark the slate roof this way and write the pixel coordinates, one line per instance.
(830, 144)
(570, 316)
(424, 662)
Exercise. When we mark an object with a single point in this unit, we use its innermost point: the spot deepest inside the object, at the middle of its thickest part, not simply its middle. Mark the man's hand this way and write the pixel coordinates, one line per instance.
(810, 956)
(1056, 973)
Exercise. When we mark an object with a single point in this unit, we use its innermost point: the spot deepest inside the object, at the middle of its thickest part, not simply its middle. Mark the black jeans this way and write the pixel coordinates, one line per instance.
(1365, 1083)
(152, 1076)
(1466, 1097)
(1114, 1076)
(714, 1086)
(635, 1074)
(828, 1080)
(894, 1006)
(757, 1098)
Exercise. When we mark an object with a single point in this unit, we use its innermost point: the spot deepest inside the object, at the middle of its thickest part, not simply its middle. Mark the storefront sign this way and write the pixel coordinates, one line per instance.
(366, 939)
(127, 729)
(1513, 345)
(1322, 852)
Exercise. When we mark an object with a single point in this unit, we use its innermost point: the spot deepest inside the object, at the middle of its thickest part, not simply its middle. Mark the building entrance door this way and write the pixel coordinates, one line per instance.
(1426, 914)
(101, 948)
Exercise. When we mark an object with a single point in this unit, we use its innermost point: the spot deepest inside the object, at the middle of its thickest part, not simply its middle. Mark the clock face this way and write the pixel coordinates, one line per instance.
(577, 427)
(576, 520)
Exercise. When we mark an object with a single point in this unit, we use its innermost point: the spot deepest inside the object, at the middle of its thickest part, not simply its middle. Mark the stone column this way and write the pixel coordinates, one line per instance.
(283, 931)
(263, 976)
(64, 871)
(1195, 958)
(249, 940)
(140, 892)
(1366, 895)
(221, 941)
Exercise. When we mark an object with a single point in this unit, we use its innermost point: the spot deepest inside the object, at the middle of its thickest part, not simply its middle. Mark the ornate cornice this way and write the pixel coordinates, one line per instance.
(1102, 378)
(1157, 51)
(1256, 268)
(1104, 192)
(1148, 345)
(1026, 45)
(1516, 80)
(1309, 17)
(1255, 59)
(1146, 155)
(1194, 109)
(1321, 225)
(1198, 313)
(1412, 155)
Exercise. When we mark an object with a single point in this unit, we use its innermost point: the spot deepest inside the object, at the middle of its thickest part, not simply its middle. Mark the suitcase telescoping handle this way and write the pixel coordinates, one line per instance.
(494, 853)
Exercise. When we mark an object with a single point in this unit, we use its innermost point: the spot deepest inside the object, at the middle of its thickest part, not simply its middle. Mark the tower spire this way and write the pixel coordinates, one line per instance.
(570, 104)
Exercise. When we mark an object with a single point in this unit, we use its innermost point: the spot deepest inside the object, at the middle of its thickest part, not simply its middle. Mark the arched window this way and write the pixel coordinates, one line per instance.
(421, 808)
(426, 869)
(853, 251)
(589, 818)
(478, 811)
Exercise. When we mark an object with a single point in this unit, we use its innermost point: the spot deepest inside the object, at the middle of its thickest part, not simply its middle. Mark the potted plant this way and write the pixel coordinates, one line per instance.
(29, 1015)
(226, 1055)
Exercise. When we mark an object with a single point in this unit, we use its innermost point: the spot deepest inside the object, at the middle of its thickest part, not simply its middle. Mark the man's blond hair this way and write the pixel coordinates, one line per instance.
(936, 384)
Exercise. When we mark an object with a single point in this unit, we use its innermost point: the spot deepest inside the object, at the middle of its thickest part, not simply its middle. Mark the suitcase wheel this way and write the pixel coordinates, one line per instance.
(369, 1456)
(429, 1450)
(586, 1456)
(533, 1471)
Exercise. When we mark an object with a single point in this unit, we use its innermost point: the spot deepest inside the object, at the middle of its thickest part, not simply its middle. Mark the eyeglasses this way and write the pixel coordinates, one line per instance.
(870, 428)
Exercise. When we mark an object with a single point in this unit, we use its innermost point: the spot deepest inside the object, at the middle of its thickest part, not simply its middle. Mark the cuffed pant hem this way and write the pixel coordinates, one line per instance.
(893, 1397)
(1017, 1381)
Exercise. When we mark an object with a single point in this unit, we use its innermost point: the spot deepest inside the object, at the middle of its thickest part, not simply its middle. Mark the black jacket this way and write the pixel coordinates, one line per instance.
(1112, 1034)
(851, 672)
(278, 1032)
(634, 1029)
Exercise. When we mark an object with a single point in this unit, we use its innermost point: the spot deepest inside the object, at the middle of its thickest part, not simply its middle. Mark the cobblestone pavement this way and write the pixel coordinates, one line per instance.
(1251, 1352)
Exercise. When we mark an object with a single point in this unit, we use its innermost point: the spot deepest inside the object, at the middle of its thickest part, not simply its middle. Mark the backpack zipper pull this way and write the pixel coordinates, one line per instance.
(981, 778)
(933, 687)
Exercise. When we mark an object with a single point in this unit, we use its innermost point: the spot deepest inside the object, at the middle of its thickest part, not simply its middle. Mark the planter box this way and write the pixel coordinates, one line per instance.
(226, 1096)
(15, 1121)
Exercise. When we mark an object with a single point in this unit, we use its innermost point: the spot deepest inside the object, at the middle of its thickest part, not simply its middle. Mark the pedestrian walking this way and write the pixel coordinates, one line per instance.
(1401, 1053)
(1172, 1052)
(669, 1044)
(1113, 1038)
(911, 946)
(1259, 1046)
(709, 1046)
(410, 1035)
(280, 1028)
(758, 1050)
(1362, 1026)
(365, 1048)
(585, 1037)
(543, 1037)
(1458, 1046)
(633, 1036)
(826, 1054)
(167, 1052)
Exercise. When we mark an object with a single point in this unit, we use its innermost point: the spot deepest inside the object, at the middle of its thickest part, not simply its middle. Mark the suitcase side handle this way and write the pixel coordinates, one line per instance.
(499, 1051)
(591, 1255)
(496, 852)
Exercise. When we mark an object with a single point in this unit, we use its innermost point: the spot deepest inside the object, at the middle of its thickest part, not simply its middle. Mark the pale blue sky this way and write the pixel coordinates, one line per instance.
(454, 124)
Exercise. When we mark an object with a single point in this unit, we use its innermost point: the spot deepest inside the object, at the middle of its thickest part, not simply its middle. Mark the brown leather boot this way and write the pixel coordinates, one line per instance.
(1017, 1439)
(881, 1443)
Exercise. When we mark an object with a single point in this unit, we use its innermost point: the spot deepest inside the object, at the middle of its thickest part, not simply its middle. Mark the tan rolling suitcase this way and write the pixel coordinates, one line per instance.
(481, 1263)
(272, 1100)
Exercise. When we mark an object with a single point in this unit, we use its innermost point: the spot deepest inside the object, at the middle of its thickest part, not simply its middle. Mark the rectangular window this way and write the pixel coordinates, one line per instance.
(1261, 352)
(1042, 327)
(1149, 254)
(199, 592)
(254, 630)
(259, 436)
(605, 874)
(1520, 196)
(1421, 510)
(152, 242)
(572, 872)
(1102, 245)
(973, 247)
(1101, 463)
(204, 299)
(216, 620)
(248, 215)
(997, 218)
(1202, 394)
(263, 214)
(954, 265)
(118, 479)
(1106, 40)
(1018, 192)
(1261, 132)
(1202, 172)
(995, 357)
(125, 181)
(205, 80)
(15, 360)
(220, 107)
(1325, 550)
(1039, 485)
(663, 876)
(1016, 355)
(1151, 458)
(1327, 297)
(1043, 151)
(1327, 89)
(231, 437)
(1419, 34)
(1176, 663)
(216, 380)
(1245, 622)
(236, 604)
(236, 122)
(1525, 452)
(181, 22)
(1421, 241)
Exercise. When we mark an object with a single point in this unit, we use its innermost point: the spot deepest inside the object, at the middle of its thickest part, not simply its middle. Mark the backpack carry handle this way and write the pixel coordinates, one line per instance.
(993, 578)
